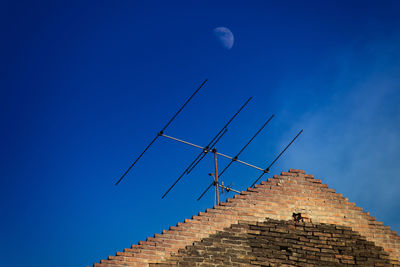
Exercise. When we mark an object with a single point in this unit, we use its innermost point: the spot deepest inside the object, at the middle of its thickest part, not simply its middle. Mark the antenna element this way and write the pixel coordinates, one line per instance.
(237, 155)
(273, 162)
(206, 149)
(161, 132)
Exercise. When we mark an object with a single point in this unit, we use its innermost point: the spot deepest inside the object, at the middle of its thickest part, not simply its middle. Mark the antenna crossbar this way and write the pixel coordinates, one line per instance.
(216, 138)
(182, 141)
(202, 154)
(206, 150)
(238, 154)
(264, 171)
(209, 147)
(240, 161)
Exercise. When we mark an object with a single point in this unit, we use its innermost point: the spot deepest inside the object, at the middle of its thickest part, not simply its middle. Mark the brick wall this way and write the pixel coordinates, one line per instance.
(281, 243)
(278, 198)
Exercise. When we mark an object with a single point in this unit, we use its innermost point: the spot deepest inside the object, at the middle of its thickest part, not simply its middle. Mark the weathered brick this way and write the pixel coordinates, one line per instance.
(278, 198)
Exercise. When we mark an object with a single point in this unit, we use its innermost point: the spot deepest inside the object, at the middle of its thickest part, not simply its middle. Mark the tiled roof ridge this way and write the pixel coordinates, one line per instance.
(278, 198)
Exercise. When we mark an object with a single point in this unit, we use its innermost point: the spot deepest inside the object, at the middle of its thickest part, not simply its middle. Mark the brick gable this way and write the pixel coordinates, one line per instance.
(278, 198)
(281, 243)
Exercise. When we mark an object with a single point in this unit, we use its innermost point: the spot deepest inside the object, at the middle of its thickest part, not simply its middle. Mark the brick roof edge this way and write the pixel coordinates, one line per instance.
(277, 198)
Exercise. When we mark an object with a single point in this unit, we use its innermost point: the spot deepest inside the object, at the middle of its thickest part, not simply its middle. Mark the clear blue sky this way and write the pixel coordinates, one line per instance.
(86, 85)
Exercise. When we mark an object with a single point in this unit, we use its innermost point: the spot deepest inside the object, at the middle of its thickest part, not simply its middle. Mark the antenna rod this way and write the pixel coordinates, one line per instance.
(229, 189)
(207, 148)
(205, 191)
(182, 141)
(240, 161)
(216, 177)
(161, 132)
(185, 172)
(243, 148)
(187, 101)
(237, 155)
(267, 169)
(211, 144)
(222, 186)
(206, 151)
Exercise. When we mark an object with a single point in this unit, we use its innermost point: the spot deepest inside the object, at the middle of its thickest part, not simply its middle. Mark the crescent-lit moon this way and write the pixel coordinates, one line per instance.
(224, 37)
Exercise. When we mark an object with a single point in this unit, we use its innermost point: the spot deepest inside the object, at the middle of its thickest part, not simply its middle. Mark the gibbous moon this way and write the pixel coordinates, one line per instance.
(224, 37)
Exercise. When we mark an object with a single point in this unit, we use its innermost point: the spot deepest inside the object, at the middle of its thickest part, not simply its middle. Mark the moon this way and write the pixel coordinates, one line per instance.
(224, 37)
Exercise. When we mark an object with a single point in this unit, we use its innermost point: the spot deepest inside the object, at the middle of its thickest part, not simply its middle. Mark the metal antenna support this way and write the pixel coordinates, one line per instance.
(215, 139)
(211, 147)
(273, 162)
(205, 152)
(216, 177)
(207, 148)
(161, 132)
(228, 188)
(244, 147)
(237, 155)
(218, 185)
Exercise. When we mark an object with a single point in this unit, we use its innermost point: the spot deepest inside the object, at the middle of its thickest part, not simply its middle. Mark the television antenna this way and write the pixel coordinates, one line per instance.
(210, 148)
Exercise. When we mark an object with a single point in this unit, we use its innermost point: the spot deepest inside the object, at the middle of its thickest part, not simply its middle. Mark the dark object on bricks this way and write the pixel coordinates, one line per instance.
(297, 217)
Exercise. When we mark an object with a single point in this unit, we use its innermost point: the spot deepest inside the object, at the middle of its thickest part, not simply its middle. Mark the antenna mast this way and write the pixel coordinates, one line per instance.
(207, 148)
(216, 177)
(211, 147)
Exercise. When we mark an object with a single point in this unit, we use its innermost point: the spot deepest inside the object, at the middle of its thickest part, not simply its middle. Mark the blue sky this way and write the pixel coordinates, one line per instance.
(86, 85)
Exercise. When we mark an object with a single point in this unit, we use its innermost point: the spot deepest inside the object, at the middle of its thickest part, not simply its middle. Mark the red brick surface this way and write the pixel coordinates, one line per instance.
(278, 198)
(281, 243)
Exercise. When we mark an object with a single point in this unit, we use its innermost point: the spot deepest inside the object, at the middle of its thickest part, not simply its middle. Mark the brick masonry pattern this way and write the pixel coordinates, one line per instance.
(281, 243)
(278, 198)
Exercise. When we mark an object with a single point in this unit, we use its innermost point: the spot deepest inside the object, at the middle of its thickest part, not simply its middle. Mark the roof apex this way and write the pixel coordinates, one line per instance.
(277, 198)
